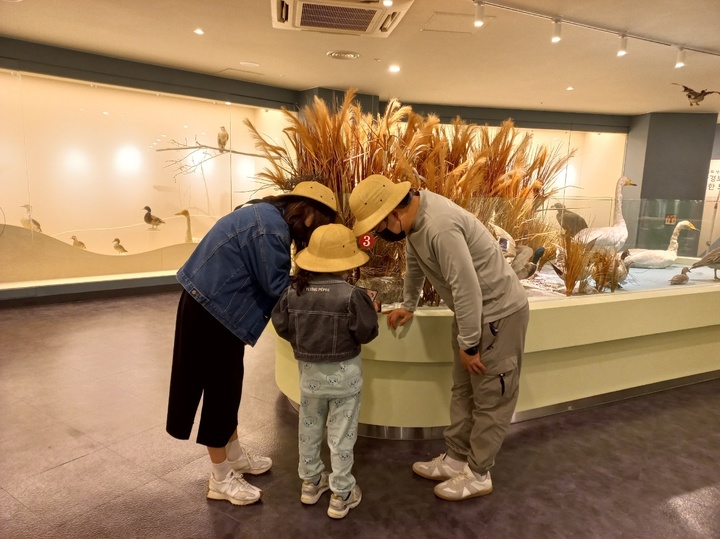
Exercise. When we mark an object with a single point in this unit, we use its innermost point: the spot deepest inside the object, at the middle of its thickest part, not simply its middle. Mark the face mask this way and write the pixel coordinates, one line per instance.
(389, 235)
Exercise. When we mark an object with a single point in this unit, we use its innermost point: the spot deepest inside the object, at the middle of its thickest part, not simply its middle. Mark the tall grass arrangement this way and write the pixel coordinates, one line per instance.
(493, 172)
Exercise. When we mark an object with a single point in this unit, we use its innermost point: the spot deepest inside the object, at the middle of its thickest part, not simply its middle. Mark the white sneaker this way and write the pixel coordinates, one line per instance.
(250, 463)
(338, 507)
(464, 485)
(436, 469)
(233, 489)
(311, 493)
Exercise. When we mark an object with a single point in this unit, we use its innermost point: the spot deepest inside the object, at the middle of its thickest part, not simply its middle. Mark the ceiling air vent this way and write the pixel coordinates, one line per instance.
(356, 17)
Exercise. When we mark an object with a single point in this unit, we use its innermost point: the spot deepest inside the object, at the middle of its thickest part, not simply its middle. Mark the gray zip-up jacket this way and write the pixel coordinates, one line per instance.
(328, 322)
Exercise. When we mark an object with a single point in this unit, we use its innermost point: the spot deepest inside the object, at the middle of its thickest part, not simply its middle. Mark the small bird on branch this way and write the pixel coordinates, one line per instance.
(693, 95)
(223, 137)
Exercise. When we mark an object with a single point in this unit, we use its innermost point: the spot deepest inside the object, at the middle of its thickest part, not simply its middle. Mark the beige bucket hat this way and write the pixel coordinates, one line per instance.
(373, 199)
(331, 248)
(315, 191)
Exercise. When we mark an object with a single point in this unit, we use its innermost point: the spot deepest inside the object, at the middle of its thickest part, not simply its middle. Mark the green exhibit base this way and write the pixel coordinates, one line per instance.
(580, 351)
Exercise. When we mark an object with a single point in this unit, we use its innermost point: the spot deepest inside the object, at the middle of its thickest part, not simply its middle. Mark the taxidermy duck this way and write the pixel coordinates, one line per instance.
(711, 260)
(150, 219)
(680, 278)
(77, 243)
(656, 258)
(188, 231)
(571, 222)
(525, 262)
(119, 248)
(610, 236)
(693, 95)
(27, 221)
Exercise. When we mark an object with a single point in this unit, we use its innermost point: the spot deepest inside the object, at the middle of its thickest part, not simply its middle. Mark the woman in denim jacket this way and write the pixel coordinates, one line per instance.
(326, 320)
(231, 283)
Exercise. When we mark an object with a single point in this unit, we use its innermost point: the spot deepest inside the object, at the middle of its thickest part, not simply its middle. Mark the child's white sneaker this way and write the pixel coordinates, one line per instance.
(311, 493)
(339, 507)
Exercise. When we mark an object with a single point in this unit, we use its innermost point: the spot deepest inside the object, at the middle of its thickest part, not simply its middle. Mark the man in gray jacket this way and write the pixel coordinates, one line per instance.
(462, 260)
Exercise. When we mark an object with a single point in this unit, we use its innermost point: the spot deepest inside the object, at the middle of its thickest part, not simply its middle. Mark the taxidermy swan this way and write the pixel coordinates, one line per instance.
(188, 231)
(656, 258)
(610, 236)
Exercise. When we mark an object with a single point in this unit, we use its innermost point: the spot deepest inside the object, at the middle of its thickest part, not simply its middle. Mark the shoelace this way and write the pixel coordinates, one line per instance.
(239, 483)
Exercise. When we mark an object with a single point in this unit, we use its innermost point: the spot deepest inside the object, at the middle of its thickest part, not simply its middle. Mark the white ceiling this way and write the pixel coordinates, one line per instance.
(509, 63)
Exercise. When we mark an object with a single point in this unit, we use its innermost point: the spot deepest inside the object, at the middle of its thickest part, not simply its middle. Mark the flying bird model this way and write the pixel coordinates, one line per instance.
(694, 96)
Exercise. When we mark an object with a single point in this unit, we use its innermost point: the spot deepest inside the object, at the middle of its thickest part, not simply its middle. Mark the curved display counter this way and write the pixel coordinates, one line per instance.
(579, 351)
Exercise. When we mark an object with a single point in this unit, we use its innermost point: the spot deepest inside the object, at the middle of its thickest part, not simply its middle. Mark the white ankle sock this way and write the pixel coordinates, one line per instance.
(234, 450)
(455, 464)
(221, 470)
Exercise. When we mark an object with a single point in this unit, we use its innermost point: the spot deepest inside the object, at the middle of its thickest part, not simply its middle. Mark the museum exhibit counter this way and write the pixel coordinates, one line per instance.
(580, 350)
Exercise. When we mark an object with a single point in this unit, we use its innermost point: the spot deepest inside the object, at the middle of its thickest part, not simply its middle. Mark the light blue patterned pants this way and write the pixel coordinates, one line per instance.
(329, 395)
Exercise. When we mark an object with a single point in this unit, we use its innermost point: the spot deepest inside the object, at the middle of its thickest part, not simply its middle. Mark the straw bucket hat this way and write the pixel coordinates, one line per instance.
(315, 191)
(332, 248)
(373, 199)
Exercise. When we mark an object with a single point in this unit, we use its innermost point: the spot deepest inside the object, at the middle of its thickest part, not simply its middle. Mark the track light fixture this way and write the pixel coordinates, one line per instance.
(680, 61)
(622, 48)
(479, 14)
(557, 31)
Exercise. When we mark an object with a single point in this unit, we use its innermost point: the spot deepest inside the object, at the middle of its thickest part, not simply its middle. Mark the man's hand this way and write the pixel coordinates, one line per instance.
(398, 317)
(472, 363)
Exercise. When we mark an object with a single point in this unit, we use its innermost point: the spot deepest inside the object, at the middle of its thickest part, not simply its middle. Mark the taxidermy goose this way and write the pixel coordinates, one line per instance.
(656, 258)
(693, 95)
(711, 260)
(77, 243)
(150, 219)
(610, 236)
(571, 222)
(680, 278)
(525, 262)
(27, 221)
(119, 248)
(188, 232)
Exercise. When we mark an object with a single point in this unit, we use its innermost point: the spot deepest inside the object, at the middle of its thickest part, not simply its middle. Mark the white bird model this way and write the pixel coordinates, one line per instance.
(27, 221)
(656, 258)
(610, 236)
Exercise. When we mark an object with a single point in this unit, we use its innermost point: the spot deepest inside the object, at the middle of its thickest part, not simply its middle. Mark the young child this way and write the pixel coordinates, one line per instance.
(326, 320)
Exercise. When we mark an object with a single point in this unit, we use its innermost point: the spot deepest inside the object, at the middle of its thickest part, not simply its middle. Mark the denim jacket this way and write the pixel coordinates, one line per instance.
(328, 322)
(240, 268)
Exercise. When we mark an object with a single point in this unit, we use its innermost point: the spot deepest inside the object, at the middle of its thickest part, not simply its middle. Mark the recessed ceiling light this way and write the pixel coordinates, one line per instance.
(387, 3)
(246, 63)
(569, 88)
(228, 103)
(198, 31)
(343, 55)
(394, 69)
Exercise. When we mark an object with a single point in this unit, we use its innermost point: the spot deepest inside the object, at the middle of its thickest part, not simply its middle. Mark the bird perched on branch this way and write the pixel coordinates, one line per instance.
(77, 243)
(223, 137)
(693, 95)
(571, 222)
(150, 219)
(680, 278)
(711, 260)
(27, 221)
(119, 248)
